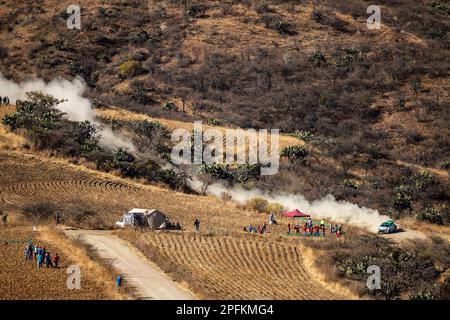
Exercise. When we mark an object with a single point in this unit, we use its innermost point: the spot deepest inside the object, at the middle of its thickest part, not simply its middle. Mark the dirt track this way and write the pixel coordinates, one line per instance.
(148, 280)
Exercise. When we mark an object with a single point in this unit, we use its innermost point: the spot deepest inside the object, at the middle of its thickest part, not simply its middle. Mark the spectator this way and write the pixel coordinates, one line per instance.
(40, 259)
(289, 228)
(48, 260)
(119, 281)
(197, 225)
(55, 260)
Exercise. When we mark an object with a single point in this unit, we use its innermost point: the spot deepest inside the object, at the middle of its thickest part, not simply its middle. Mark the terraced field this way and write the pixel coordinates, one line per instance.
(30, 179)
(239, 268)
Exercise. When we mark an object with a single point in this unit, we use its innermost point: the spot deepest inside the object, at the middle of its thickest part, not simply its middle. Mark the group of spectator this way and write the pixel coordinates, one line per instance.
(41, 256)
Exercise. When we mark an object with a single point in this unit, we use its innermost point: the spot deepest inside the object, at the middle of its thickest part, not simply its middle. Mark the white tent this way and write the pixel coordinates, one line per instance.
(151, 218)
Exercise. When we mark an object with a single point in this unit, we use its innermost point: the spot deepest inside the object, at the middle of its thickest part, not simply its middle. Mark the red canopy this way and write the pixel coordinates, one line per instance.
(295, 213)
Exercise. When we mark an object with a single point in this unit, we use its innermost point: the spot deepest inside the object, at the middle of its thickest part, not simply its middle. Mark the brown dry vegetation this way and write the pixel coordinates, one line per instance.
(22, 280)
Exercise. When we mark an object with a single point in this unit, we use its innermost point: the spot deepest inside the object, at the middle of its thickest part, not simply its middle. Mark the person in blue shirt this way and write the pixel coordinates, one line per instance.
(119, 281)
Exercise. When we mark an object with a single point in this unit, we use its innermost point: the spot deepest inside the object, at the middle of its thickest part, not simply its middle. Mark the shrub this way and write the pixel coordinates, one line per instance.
(446, 165)
(246, 171)
(139, 37)
(169, 106)
(402, 199)
(317, 58)
(139, 92)
(295, 153)
(173, 179)
(129, 68)
(213, 121)
(257, 204)
(277, 23)
(304, 135)
(347, 183)
(422, 296)
(218, 171)
(430, 215)
(421, 181)
(262, 7)
(348, 58)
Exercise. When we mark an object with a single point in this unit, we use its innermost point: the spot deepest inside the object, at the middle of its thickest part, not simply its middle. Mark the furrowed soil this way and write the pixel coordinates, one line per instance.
(221, 267)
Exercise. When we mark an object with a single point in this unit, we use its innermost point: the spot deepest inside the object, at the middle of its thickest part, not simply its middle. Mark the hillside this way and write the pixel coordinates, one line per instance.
(365, 137)
(374, 102)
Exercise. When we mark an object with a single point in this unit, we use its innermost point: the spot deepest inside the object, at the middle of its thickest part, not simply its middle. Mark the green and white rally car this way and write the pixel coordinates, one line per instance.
(387, 227)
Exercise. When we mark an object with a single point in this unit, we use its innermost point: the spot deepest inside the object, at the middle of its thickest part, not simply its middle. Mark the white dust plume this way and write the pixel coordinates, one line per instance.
(77, 107)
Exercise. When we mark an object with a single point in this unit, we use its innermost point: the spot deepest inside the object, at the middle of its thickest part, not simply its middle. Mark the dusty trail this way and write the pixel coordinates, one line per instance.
(150, 282)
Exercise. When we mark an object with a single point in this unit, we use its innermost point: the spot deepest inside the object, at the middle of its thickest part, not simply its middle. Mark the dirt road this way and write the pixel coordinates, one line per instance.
(150, 281)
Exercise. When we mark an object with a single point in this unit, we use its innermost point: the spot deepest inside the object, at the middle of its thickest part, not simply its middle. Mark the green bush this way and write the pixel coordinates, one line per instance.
(247, 171)
(213, 121)
(347, 183)
(169, 106)
(422, 296)
(304, 135)
(317, 58)
(218, 171)
(348, 58)
(402, 199)
(421, 181)
(295, 153)
(430, 215)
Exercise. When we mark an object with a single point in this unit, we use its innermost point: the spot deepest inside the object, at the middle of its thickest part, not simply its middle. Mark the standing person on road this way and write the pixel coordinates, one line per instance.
(119, 281)
(197, 225)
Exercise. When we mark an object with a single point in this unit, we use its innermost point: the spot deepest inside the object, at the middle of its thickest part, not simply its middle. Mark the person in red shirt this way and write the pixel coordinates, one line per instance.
(55, 260)
(316, 229)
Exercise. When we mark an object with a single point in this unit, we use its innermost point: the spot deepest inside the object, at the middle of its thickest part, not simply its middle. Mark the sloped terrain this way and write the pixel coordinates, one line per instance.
(370, 98)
